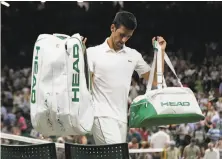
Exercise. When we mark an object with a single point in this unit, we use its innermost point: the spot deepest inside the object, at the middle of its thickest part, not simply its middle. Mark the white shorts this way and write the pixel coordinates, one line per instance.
(107, 130)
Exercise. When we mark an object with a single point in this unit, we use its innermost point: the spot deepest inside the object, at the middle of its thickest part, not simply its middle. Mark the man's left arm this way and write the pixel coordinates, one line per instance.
(162, 43)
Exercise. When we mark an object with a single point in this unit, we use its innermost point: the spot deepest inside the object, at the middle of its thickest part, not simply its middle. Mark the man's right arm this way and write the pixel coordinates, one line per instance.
(162, 43)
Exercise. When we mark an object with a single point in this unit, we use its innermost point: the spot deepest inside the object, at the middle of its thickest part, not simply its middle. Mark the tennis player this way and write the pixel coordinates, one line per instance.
(112, 64)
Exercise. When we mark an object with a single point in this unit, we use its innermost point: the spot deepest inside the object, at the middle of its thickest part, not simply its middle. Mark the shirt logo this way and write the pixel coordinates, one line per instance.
(129, 61)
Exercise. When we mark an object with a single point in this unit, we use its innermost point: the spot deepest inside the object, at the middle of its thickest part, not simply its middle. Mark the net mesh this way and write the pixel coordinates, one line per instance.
(8, 139)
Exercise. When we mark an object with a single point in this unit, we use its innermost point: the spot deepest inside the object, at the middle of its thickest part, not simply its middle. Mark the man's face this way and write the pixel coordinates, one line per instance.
(120, 36)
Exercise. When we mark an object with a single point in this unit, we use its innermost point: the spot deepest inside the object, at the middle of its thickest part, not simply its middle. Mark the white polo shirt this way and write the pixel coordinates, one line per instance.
(112, 77)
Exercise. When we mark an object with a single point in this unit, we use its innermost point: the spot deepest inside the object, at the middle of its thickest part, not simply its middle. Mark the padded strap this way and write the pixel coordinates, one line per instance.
(166, 58)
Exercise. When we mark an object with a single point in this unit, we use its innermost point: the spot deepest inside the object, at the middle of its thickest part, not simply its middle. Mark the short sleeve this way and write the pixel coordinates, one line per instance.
(141, 65)
(90, 58)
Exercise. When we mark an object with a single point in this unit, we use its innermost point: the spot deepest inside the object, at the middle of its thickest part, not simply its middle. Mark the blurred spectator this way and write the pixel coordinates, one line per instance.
(133, 144)
(219, 104)
(144, 145)
(144, 134)
(134, 90)
(213, 133)
(160, 139)
(184, 131)
(83, 140)
(60, 151)
(219, 146)
(191, 151)
(199, 135)
(133, 133)
(211, 111)
(211, 152)
(220, 88)
(21, 122)
(219, 122)
(172, 152)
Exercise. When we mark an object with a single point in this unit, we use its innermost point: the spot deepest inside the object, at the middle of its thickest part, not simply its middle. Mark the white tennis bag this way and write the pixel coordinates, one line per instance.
(61, 103)
(164, 105)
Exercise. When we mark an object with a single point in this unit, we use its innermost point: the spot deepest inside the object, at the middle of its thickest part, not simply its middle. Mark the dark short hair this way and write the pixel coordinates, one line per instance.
(126, 19)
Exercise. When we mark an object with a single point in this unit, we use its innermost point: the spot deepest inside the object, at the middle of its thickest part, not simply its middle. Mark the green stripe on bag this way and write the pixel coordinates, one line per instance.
(139, 111)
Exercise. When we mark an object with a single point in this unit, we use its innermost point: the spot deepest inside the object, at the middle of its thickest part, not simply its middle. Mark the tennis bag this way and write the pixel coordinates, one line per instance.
(61, 102)
(164, 105)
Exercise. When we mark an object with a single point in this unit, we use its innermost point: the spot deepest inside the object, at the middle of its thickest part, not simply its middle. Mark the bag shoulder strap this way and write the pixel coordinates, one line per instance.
(166, 58)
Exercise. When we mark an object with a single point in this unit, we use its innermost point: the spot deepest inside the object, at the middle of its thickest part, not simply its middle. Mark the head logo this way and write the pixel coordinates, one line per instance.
(75, 76)
(172, 104)
(35, 71)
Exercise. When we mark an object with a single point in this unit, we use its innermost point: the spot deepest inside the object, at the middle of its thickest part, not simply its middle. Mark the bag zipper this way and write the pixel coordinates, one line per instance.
(166, 94)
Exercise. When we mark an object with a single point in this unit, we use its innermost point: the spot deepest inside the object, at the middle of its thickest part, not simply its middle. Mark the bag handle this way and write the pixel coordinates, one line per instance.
(160, 78)
(61, 35)
(159, 66)
(150, 80)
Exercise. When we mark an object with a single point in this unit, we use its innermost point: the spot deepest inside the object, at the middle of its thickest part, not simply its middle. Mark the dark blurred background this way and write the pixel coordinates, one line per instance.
(187, 26)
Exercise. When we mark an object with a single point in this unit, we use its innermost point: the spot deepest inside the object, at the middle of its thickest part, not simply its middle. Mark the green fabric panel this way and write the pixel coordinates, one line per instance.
(61, 37)
(139, 111)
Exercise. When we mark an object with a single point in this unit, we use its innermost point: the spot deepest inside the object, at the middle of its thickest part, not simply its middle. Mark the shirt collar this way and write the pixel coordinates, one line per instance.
(108, 49)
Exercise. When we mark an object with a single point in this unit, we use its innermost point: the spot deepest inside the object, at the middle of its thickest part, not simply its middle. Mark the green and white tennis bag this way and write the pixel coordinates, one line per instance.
(164, 105)
(61, 102)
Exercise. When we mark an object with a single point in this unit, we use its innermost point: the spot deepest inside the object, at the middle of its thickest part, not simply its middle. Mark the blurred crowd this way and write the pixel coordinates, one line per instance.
(197, 61)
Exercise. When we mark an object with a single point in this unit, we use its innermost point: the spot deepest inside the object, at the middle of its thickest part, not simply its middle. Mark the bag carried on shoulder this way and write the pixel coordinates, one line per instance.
(164, 105)
(61, 102)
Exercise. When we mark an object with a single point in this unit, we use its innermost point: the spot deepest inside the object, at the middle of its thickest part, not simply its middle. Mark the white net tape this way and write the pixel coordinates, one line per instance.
(59, 145)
